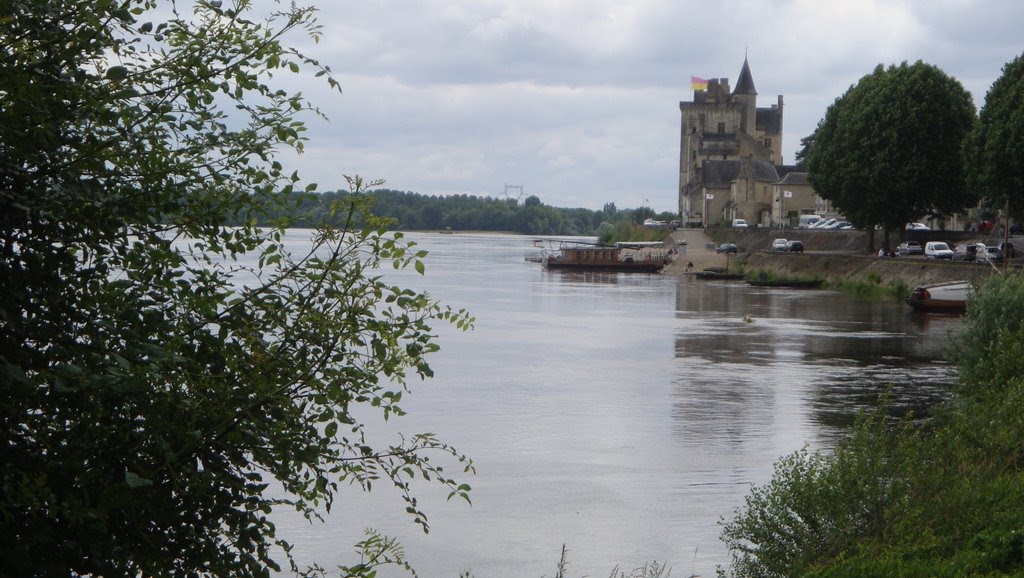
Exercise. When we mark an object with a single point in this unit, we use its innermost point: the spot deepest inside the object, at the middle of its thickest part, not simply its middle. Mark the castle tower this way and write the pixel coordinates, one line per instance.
(718, 126)
(746, 95)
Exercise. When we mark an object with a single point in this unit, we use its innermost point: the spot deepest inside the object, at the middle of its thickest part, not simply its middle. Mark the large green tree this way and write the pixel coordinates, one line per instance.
(160, 371)
(995, 148)
(888, 151)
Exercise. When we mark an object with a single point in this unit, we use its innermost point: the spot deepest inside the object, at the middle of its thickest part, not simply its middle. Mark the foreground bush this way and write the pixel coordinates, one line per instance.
(897, 499)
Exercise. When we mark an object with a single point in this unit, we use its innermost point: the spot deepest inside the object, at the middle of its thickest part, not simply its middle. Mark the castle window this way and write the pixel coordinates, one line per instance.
(721, 128)
(768, 142)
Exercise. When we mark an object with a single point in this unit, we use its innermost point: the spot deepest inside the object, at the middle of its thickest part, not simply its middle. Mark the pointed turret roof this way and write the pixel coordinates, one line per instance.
(745, 83)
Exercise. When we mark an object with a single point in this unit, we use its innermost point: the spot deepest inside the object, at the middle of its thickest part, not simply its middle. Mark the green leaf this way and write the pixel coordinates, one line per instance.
(136, 481)
(117, 73)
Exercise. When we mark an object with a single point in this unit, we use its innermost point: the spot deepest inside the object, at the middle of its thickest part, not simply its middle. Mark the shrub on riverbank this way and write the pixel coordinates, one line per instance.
(899, 499)
(627, 232)
(874, 287)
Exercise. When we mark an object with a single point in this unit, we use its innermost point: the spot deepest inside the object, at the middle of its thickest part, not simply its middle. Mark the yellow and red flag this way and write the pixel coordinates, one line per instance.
(698, 83)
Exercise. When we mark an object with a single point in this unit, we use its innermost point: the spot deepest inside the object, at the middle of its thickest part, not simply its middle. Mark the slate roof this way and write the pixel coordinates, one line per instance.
(719, 174)
(792, 175)
(764, 171)
(770, 119)
(745, 83)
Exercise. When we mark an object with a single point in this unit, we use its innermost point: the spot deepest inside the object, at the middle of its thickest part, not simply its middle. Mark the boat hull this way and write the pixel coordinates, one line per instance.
(636, 267)
(609, 259)
(943, 297)
(716, 275)
(792, 283)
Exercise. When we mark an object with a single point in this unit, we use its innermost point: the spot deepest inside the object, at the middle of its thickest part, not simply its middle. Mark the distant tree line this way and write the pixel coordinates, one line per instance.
(411, 211)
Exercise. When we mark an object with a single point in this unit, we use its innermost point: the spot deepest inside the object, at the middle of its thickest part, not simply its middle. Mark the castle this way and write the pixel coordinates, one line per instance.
(730, 159)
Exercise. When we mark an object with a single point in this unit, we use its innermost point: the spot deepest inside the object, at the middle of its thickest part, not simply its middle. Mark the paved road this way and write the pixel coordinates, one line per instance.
(699, 250)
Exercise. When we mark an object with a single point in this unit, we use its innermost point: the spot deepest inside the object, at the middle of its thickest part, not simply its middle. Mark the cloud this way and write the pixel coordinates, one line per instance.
(578, 101)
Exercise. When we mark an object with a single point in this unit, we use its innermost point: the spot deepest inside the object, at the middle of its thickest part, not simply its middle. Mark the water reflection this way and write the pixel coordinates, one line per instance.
(755, 355)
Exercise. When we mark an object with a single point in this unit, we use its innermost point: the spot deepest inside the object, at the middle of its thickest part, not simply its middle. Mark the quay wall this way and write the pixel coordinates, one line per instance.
(840, 267)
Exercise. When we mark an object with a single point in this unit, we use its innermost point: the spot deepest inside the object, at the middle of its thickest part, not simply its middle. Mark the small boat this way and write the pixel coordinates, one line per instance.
(791, 283)
(624, 257)
(951, 296)
(709, 275)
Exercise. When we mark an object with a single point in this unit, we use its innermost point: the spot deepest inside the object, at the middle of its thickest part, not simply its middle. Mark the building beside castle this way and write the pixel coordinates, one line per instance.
(730, 158)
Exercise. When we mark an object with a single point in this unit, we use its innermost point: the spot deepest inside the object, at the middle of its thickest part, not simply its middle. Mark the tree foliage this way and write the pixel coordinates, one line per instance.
(888, 151)
(167, 381)
(460, 212)
(995, 148)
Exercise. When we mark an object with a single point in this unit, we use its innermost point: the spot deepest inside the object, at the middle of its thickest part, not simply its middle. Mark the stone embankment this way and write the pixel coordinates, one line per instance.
(834, 256)
(840, 267)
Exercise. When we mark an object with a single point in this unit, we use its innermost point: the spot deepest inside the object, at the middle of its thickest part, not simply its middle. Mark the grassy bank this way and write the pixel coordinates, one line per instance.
(861, 273)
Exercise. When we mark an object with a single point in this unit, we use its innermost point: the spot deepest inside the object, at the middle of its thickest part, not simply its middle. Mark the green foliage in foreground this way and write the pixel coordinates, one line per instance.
(902, 499)
(168, 382)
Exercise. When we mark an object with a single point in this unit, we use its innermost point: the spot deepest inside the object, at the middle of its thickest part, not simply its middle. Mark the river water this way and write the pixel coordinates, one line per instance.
(622, 415)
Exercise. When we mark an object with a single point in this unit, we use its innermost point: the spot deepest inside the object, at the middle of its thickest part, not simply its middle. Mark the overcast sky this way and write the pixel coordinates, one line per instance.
(578, 100)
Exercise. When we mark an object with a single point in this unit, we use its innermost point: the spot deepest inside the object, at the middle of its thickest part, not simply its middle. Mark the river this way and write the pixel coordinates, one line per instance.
(622, 415)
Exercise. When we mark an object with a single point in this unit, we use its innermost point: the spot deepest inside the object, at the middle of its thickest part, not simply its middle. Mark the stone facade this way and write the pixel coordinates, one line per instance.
(793, 196)
(728, 154)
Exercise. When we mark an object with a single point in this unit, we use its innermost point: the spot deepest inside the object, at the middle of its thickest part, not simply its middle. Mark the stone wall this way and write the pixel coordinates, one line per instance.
(836, 268)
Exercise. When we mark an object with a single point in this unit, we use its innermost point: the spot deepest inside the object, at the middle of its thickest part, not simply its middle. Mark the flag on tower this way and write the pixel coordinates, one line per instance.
(698, 83)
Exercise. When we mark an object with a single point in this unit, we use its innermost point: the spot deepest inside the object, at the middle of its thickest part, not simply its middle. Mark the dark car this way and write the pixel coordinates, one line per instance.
(727, 248)
(909, 248)
(796, 247)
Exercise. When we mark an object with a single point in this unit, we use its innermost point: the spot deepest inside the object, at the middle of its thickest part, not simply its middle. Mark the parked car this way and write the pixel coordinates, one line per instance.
(727, 248)
(987, 254)
(824, 224)
(807, 220)
(796, 247)
(918, 227)
(1004, 248)
(937, 250)
(835, 224)
(739, 224)
(780, 245)
(965, 252)
(909, 248)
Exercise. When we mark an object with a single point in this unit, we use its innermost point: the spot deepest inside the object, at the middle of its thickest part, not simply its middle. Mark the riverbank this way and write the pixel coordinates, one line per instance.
(839, 262)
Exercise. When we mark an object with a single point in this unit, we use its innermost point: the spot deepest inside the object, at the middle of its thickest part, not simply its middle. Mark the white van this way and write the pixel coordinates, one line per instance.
(807, 220)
